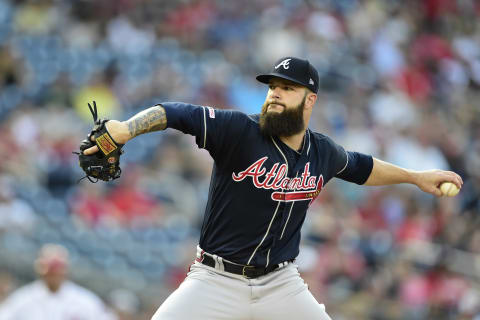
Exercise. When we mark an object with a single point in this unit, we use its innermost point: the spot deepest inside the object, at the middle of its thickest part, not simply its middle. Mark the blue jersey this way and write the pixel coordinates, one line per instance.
(260, 188)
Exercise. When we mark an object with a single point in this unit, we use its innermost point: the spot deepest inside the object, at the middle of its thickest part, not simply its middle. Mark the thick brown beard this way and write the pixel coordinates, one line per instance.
(284, 124)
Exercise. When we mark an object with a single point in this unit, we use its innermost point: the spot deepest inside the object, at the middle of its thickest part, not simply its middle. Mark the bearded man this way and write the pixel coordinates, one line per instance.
(267, 171)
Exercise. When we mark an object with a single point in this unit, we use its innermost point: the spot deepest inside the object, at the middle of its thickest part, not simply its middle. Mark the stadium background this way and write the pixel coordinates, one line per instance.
(400, 80)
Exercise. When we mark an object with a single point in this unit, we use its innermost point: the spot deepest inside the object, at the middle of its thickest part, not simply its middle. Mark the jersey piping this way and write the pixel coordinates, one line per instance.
(288, 218)
(345, 164)
(205, 126)
(309, 142)
(265, 236)
(274, 214)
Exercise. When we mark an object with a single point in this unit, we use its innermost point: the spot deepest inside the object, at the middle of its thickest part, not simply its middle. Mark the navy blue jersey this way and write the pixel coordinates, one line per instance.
(260, 188)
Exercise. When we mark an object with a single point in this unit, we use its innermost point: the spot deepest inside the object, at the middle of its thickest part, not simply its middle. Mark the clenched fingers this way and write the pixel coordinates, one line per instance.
(90, 150)
(454, 178)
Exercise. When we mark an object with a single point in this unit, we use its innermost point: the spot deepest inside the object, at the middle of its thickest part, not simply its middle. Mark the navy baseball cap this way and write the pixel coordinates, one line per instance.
(294, 69)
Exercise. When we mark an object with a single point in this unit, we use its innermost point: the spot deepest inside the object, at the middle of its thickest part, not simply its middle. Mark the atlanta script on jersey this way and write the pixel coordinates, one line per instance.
(301, 188)
(260, 188)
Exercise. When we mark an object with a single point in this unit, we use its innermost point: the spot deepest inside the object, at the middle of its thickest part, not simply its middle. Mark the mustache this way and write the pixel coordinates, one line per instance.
(276, 102)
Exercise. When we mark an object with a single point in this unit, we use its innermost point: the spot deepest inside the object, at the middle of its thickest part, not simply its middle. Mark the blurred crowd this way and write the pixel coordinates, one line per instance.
(400, 79)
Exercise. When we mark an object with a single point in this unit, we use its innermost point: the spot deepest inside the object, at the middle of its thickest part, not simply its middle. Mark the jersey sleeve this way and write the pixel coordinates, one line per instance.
(215, 130)
(358, 168)
(349, 165)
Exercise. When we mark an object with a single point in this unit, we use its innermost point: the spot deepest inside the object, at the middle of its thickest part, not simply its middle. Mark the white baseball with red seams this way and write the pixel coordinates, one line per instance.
(449, 189)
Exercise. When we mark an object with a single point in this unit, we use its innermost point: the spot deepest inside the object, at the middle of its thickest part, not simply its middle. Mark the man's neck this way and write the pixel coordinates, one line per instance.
(295, 142)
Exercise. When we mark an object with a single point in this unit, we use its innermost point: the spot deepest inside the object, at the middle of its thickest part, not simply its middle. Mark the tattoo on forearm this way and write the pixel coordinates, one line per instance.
(151, 119)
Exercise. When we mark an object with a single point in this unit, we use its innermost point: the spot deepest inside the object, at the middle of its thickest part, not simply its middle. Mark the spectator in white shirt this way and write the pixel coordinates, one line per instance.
(52, 296)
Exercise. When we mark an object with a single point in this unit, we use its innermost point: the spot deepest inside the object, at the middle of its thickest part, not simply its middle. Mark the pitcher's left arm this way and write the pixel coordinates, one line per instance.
(384, 173)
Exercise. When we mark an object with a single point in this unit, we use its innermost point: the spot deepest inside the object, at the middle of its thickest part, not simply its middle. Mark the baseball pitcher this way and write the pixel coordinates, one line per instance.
(268, 169)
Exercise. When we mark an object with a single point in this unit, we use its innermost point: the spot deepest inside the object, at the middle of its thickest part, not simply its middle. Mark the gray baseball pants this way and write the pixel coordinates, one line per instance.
(212, 294)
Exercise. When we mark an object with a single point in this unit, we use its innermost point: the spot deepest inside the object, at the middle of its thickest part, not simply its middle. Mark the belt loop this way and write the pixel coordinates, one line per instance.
(200, 253)
(219, 263)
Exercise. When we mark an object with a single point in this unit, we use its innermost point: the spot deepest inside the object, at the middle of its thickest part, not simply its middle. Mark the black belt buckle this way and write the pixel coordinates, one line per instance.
(247, 274)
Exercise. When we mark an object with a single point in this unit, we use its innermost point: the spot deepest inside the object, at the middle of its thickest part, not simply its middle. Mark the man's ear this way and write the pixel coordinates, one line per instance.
(310, 99)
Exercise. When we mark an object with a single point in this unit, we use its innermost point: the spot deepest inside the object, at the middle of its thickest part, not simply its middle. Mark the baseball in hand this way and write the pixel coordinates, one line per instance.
(449, 189)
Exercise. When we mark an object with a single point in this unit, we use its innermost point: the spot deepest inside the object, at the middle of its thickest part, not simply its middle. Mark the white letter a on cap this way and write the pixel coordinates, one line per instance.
(285, 63)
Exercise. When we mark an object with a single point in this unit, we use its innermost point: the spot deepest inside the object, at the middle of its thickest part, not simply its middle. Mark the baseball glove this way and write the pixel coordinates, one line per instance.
(104, 164)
